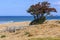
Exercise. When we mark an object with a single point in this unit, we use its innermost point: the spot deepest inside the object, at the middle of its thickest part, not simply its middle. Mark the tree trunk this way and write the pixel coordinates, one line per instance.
(37, 16)
(42, 15)
(34, 17)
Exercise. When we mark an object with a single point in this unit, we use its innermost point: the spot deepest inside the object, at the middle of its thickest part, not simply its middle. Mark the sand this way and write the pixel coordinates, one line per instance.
(50, 28)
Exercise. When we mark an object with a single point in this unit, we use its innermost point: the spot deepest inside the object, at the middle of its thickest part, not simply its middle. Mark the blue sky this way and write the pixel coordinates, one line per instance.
(19, 7)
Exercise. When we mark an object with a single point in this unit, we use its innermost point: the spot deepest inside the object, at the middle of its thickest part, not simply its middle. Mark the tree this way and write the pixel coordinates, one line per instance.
(39, 10)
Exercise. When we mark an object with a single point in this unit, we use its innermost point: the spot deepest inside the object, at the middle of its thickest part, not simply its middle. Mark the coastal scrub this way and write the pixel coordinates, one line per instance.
(40, 11)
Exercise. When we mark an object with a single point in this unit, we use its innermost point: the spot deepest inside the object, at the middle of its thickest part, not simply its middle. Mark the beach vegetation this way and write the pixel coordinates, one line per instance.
(28, 34)
(49, 38)
(40, 11)
(2, 36)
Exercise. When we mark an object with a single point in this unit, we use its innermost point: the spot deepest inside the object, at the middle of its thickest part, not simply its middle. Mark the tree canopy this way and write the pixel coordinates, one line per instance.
(40, 9)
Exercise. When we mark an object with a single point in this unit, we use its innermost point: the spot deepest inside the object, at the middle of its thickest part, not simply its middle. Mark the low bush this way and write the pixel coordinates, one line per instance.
(2, 36)
(38, 21)
(28, 34)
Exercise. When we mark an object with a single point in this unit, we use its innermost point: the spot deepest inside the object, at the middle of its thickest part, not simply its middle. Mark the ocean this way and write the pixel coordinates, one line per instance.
(8, 19)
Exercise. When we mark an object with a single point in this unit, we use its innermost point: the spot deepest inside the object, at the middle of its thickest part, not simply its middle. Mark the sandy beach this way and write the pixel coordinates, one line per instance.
(24, 31)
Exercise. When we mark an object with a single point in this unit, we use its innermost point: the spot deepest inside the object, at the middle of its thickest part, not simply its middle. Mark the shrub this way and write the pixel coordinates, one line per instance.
(28, 34)
(2, 36)
(38, 21)
(40, 10)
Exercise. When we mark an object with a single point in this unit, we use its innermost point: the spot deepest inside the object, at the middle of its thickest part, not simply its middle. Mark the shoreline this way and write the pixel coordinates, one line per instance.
(7, 22)
(12, 22)
(26, 23)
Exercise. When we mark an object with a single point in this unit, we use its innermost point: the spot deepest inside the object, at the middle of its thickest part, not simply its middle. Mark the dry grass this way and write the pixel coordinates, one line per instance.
(49, 38)
(33, 32)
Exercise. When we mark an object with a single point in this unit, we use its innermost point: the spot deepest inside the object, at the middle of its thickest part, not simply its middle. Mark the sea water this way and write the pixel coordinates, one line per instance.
(8, 19)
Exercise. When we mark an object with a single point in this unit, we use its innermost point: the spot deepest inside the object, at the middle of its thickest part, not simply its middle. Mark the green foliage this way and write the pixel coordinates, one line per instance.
(39, 10)
(2, 36)
(38, 21)
(41, 20)
(28, 34)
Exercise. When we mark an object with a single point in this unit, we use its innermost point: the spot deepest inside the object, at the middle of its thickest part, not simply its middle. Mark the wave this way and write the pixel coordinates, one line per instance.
(3, 22)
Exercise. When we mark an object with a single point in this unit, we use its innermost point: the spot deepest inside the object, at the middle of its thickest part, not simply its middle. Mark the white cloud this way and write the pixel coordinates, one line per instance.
(57, 3)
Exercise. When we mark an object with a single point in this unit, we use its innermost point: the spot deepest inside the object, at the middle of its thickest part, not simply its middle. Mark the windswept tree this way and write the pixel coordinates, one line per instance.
(39, 11)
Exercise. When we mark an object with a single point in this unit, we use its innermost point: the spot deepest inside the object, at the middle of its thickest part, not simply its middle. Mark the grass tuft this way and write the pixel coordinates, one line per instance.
(28, 34)
(2, 36)
(44, 39)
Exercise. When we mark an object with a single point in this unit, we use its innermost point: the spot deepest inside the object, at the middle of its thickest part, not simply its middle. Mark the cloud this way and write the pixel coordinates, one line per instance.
(57, 3)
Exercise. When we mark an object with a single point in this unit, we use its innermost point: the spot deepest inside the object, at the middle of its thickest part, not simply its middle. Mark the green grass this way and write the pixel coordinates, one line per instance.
(44, 39)
(28, 34)
(3, 36)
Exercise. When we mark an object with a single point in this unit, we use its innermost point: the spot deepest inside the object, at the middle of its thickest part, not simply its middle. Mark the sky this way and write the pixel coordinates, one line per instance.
(19, 7)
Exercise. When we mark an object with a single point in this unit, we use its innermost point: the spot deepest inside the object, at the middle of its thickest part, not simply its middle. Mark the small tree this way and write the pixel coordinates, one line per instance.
(39, 10)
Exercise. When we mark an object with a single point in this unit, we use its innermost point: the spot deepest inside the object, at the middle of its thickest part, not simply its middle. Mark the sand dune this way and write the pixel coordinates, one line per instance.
(24, 31)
